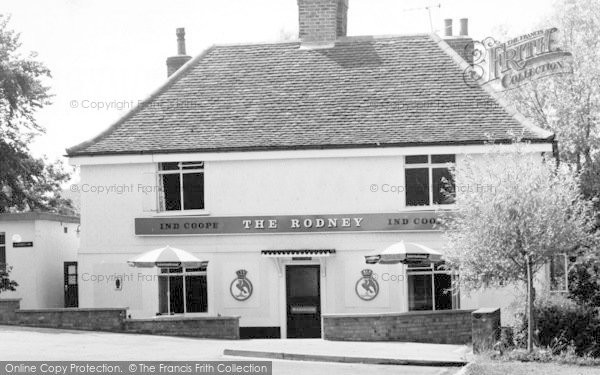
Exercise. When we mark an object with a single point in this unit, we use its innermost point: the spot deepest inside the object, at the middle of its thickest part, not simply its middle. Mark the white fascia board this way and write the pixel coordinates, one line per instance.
(300, 154)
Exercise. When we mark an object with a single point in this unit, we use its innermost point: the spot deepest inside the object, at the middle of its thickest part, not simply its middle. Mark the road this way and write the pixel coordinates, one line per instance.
(38, 344)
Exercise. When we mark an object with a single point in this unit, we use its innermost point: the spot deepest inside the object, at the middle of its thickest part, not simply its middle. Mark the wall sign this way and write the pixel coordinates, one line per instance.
(241, 287)
(303, 309)
(366, 288)
(407, 221)
(168, 264)
(22, 244)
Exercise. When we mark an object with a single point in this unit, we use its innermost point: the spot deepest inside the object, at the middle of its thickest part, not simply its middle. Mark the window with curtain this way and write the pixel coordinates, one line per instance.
(430, 287)
(428, 180)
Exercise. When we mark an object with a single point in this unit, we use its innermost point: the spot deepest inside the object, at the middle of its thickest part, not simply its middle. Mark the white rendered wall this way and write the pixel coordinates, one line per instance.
(39, 269)
(291, 186)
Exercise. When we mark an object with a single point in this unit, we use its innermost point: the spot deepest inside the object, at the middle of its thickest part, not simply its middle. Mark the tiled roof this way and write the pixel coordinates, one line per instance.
(364, 92)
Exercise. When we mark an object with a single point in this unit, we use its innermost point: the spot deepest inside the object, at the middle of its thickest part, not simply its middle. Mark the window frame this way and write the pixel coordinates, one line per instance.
(3, 265)
(431, 269)
(184, 273)
(160, 196)
(430, 166)
(566, 276)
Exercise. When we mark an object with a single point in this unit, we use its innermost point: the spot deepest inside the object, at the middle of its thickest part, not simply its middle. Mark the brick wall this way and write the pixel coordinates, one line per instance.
(463, 46)
(203, 327)
(176, 62)
(342, 18)
(114, 320)
(322, 20)
(8, 310)
(83, 319)
(440, 327)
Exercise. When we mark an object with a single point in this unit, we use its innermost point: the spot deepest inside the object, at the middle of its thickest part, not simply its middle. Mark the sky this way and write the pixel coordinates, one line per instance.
(112, 53)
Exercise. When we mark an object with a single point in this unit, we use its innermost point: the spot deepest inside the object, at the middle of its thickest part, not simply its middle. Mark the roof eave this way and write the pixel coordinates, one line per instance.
(549, 140)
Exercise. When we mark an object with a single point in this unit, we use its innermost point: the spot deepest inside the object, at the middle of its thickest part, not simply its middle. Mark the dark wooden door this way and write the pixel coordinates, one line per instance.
(303, 301)
(71, 286)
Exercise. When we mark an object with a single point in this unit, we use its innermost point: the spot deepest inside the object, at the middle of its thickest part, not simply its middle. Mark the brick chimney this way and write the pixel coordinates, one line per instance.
(176, 62)
(462, 43)
(322, 22)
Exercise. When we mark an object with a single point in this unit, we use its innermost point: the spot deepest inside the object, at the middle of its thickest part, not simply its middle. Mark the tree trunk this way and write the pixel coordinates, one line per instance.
(530, 301)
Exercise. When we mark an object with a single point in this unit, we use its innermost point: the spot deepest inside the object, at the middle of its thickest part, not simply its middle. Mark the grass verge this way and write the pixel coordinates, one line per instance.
(491, 367)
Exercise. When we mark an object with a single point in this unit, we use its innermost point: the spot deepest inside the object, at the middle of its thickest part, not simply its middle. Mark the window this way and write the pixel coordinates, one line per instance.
(559, 278)
(430, 287)
(182, 291)
(181, 186)
(2, 252)
(428, 179)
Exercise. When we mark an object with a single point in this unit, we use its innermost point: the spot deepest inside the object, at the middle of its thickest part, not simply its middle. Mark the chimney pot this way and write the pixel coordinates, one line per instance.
(448, 27)
(464, 26)
(176, 62)
(180, 41)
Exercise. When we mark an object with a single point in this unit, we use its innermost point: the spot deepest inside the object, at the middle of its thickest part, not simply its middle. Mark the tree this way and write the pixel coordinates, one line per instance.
(514, 211)
(26, 183)
(569, 105)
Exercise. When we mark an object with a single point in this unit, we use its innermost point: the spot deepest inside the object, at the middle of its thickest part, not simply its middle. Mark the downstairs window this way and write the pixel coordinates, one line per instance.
(430, 287)
(182, 291)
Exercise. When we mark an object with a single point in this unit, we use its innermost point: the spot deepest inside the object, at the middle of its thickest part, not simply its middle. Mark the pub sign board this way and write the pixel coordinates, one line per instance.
(207, 225)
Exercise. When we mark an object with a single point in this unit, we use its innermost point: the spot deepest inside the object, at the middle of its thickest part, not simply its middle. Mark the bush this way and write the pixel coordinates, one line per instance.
(507, 338)
(6, 284)
(523, 355)
(584, 282)
(562, 325)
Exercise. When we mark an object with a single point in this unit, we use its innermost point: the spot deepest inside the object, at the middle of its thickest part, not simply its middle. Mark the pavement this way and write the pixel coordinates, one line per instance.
(40, 344)
(391, 353)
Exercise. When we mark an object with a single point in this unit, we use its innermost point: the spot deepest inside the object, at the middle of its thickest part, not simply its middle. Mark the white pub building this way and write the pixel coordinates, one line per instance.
(281, 165)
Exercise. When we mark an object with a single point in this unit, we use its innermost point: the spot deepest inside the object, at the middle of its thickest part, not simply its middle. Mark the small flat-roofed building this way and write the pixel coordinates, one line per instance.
(41, 250)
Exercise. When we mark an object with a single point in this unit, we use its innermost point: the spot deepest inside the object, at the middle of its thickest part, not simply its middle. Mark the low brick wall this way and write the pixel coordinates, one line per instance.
(203, 327)
(8, 310)
(114, 320)
(72, 318)
(486, 329)
(439, 327)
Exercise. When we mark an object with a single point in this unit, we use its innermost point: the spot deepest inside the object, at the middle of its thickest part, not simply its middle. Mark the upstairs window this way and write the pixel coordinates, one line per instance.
(428, 180)
(181, 186)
